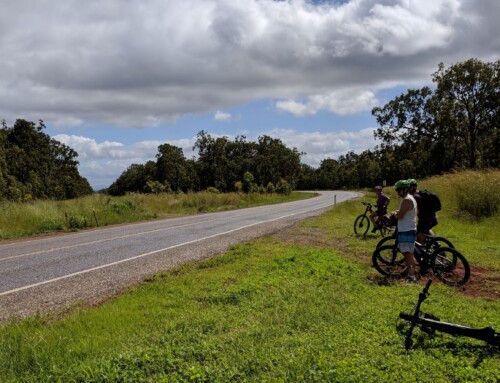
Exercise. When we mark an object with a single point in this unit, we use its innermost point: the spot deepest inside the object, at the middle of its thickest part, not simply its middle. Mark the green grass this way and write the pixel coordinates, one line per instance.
(42, 217)
(300, 306)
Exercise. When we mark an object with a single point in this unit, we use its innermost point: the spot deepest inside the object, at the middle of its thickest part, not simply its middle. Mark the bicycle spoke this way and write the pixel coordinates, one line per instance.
(450, 266)
(389, 261)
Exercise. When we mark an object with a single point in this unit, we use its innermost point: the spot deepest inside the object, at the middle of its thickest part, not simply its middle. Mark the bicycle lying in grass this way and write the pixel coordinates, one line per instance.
(363, 222)
(447, 263)
(429, 323)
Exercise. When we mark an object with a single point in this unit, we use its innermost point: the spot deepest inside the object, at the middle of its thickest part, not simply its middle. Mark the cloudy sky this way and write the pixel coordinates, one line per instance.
(114, 79)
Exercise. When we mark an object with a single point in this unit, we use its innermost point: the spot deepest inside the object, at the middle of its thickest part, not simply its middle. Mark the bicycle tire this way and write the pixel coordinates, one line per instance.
(433, 243)
(385, 230)
(386, 241)
(450, 266)
(389, 261)
(361, 225)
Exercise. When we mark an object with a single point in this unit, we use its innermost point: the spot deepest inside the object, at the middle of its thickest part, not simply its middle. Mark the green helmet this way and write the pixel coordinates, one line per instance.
(401, 184)
(412, 182)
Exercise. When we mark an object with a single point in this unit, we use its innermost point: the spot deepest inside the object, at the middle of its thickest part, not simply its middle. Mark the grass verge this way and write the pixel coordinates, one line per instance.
(45, 216)
(300, 306)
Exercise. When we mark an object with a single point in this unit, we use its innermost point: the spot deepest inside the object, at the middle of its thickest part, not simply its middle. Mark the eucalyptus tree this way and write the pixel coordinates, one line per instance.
(456, 124)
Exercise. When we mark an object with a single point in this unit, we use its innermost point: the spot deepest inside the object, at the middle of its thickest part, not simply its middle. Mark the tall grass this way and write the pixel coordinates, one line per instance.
(40, 217)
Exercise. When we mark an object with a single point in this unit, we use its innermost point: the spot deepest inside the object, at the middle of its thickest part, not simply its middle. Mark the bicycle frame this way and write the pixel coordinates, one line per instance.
(429, 322)
(369, 209)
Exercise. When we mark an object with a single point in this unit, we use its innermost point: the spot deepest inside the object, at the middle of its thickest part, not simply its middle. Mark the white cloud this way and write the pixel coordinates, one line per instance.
(221, 116)
(319, 145)
(344, 102)
(141, 64)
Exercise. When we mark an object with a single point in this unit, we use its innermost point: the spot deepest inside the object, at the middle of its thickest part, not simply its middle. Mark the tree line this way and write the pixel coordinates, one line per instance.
(35, 166)
(452, 125)
(427, 131)
(222, 165)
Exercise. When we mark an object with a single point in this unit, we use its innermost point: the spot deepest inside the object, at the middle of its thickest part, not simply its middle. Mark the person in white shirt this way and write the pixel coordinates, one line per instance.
(407, 226)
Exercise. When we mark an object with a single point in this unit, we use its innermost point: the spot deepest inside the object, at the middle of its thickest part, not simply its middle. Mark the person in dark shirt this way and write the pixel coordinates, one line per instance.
(427, 218)
(381, 205)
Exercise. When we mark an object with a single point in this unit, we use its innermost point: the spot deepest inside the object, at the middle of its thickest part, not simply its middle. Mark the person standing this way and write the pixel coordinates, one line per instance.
(381, 205)
(427, 217)
(407, 226)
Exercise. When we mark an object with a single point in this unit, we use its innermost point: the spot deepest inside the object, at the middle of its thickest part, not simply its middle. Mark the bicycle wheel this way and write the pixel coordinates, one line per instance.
(434, 243)
(450, 266)
(384, 231)
(387, 241)
(361, 225)
(388, 260)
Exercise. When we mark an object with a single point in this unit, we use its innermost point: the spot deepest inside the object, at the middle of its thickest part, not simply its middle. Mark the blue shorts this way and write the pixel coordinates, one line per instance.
(407, 240)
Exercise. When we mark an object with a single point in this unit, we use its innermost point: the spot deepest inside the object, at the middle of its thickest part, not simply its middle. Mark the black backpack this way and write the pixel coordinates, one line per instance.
(430, 200)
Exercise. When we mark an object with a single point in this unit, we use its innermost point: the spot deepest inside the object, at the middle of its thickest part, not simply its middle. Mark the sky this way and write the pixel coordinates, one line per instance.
(114, 79)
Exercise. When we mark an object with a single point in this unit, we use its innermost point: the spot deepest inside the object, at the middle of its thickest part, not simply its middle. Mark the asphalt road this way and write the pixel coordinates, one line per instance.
(49, 273)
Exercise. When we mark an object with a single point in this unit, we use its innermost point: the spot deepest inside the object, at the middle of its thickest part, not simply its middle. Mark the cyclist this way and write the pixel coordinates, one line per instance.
(427, 218)
(407, 226)
(381, 204)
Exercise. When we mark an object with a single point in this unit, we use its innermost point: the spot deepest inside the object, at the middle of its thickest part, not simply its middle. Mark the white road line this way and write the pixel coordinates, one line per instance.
(104, 240)
(143, 255)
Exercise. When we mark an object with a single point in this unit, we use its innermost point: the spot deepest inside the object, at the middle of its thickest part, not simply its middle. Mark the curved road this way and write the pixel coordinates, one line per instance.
(42, 274)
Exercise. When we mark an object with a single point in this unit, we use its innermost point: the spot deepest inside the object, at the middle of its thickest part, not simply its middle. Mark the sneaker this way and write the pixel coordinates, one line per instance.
(412, 278)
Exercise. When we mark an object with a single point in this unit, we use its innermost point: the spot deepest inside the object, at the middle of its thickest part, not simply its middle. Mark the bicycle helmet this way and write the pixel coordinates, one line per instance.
(412, 182)
(401, 184)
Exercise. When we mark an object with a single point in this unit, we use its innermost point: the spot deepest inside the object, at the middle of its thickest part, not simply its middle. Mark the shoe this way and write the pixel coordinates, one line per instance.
(412, 278)
(374, 230)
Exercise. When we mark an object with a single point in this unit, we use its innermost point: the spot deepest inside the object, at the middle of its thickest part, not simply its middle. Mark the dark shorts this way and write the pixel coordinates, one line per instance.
(381, 211)
(424, 227)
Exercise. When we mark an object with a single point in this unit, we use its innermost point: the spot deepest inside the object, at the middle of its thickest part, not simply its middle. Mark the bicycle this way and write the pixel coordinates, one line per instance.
(432, 242)
(429, 323)
(447, 263)
(362, 222)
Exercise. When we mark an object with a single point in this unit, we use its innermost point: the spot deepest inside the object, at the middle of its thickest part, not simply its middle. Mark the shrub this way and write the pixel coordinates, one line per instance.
(477, 193)
(213, 190)
(270, 188)
(283, 187)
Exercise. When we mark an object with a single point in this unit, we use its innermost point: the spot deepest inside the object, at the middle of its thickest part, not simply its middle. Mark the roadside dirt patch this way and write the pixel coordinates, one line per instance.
(307, 236)
(483, 283)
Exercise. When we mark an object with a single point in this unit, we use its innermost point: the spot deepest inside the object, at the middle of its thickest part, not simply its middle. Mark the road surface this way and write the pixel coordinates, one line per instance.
(44, 274)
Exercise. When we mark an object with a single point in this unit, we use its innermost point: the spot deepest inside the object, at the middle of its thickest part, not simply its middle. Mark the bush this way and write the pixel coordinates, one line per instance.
(213, 190)
(477, 193)
(283, 187)
(270, 188)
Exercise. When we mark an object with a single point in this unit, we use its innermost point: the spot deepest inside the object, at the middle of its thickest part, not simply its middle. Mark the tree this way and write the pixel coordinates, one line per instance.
(171, 168)
(274, 161)
(134, 179)
(33, 165)
(470, 93)
(454, 125)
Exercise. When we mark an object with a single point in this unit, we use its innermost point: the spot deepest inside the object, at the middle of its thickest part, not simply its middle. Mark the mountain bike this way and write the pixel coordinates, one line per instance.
(363, 222)
(429, 323)
(432, 242)
(447, 263)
